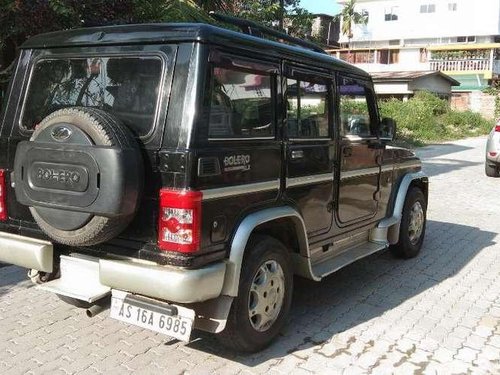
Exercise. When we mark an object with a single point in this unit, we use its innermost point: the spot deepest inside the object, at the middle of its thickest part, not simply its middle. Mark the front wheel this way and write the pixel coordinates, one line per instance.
(264, 297)
(413, 221)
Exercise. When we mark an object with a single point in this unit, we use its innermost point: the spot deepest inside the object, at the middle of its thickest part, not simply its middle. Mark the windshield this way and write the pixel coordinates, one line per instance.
(127, 87)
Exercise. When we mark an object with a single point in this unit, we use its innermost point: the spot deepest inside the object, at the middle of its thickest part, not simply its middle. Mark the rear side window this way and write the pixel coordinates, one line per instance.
(355, 114)
(241, 104)
(127, 87)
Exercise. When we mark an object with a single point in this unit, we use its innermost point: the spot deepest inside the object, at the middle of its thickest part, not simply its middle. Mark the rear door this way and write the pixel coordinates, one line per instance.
(360, 152)
(309, 146)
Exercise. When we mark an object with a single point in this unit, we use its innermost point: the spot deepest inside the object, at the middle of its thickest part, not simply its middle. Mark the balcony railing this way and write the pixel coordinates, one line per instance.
(461, 65)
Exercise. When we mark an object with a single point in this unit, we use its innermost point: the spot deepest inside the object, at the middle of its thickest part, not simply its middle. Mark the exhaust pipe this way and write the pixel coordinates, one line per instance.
(98, 307)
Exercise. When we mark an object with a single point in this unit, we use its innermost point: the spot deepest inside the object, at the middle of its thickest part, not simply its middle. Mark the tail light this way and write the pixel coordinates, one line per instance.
(179, 220)
(3, 201)
(497, 126)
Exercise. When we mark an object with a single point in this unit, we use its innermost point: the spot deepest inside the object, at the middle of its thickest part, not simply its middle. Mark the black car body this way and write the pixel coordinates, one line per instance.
(240, 141)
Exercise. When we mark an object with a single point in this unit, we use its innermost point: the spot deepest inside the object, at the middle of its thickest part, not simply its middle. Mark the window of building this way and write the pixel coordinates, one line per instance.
(241, 104)
(358, 57)
(428, 8)
(388, 56)
(452, 7)
(355, 118)
(466, 39)
(424, 56)
(307, 109)
(391, 14)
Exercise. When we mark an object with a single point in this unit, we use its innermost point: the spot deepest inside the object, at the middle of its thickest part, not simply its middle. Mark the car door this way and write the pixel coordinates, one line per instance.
(360, 152)
(309, 147)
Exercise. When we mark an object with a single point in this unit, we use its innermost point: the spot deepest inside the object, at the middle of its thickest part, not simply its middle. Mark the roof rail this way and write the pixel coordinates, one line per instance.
(260, 31)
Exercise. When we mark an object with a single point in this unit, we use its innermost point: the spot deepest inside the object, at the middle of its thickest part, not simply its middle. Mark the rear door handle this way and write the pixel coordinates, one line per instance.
(297, 154)
(347, 152)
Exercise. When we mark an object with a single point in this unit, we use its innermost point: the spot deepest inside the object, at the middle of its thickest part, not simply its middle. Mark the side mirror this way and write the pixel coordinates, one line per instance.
(387, 129)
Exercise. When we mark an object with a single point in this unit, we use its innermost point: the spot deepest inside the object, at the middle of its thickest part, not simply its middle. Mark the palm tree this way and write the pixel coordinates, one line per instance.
(350, 17)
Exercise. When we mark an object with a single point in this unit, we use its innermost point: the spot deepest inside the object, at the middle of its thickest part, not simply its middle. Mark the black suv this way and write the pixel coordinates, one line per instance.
(187, 172)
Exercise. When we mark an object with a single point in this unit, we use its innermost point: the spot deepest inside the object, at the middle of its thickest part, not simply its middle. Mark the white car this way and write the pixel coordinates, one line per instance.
(492, 163)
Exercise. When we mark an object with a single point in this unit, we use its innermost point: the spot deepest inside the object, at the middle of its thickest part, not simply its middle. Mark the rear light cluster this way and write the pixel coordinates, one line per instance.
(179, 220)
(3, 201)
(497, 126)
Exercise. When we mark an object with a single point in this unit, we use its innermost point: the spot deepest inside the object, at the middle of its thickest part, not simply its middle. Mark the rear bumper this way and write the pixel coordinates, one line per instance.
(168, 283)
(164, 282)
(26, 252)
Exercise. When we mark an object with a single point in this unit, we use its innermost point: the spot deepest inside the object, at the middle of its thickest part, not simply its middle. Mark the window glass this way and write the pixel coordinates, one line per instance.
(391, 14)
(241, 104)
(428, 8)
(307, 109)
(124, 86)
(354, 109)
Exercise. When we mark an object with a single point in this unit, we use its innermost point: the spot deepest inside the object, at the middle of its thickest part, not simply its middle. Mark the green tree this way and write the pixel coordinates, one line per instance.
(20, 19)
(350, 17)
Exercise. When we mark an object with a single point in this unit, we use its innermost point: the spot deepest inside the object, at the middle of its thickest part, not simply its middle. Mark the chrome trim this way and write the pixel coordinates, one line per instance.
(359, 172)
(375, 170)
(26, 252)
(408, 164)
(243, 139)
(240, 189)
(164, 282)
(326, 138)
(307, 180)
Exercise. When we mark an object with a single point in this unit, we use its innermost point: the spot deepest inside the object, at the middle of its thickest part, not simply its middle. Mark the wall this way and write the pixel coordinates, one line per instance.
(476, 101)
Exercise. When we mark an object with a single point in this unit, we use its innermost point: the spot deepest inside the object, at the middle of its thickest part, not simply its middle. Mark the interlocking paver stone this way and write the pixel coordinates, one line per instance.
(436, 314)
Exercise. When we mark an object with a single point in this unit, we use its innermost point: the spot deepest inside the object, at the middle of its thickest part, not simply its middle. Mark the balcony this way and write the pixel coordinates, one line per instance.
(461, 65)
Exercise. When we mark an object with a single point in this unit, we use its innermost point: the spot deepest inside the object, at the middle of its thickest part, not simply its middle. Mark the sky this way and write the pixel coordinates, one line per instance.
(321, 6)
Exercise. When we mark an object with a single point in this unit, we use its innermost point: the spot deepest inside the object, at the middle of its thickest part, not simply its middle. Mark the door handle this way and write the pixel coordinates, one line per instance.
(347, 152)
(297, 154)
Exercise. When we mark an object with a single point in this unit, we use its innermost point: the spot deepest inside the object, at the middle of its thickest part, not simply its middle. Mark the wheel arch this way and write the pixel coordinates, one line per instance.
(268, 221)
(388, 228)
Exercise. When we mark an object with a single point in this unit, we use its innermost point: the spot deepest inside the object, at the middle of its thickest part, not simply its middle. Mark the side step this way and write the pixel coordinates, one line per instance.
(79, 279)
(328, 266)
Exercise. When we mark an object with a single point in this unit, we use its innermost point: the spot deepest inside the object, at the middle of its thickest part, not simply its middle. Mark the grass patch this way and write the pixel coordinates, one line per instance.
(425, 119)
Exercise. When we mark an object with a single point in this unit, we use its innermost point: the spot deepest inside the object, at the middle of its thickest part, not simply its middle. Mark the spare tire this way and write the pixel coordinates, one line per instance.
(81, 175)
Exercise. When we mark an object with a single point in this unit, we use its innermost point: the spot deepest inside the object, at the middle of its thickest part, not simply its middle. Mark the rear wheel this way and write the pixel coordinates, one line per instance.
(491, 170)
(264, 297)
(413, 221)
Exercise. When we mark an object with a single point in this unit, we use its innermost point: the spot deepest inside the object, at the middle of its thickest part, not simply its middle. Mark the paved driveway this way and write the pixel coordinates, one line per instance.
(438, 313)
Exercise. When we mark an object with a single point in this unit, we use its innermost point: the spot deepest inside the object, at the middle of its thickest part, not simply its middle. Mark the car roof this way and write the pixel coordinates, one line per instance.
(158, 33)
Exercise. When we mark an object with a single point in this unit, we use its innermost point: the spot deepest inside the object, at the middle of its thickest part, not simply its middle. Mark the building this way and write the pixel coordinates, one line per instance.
(326, 29)
(457, 37)
(403, 85)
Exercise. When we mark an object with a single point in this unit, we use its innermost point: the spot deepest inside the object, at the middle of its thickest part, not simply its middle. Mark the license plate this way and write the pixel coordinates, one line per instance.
(172, 320)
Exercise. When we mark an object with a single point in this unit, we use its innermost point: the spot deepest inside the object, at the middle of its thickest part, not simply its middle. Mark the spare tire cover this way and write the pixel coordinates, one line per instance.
(81, 175)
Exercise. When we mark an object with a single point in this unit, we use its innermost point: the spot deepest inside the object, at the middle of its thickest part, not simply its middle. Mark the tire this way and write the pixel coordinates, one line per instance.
(491, 171)
(411, 236)
(94, 127)
(245, 332)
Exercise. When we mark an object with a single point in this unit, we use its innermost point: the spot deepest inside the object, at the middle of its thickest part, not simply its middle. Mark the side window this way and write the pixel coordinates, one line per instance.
(241, 104)
(355, 115)
(307, 108)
